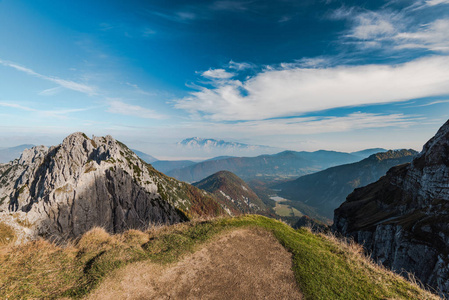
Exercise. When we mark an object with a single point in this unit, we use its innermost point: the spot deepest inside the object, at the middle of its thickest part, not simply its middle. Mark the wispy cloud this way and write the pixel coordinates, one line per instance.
(430, 103)
(239, 66)
(309, 125)
(119, 107)
(230, 5)
(57, 113)
(282, 92)
(433, 36)
(396, 30)
(68, 84)
(436, 2)
(51, 91)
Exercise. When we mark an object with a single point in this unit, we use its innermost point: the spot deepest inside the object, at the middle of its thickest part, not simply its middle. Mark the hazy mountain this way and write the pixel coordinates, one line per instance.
(165, 166)
(326, 190)
(402, 219)
(287, 164)
(9, 154)
(232, 192)
(67, 189)
(368, 152)
(206, 148)
(145, 157)
(196, 142)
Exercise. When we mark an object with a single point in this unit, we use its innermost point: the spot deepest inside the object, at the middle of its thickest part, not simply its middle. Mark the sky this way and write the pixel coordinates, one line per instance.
(297, 75)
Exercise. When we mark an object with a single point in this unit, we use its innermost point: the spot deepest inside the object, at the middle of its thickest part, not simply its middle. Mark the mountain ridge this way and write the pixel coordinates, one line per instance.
(327, 189)
(402, 218)
(67, 189)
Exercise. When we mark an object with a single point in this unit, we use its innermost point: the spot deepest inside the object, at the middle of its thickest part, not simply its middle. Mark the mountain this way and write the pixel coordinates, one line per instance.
(403, 218)
(65, 190)
(165, 166)
(196, 142)
(9, 154)
(205, 148)
(284, 165)
(326, 190)
(145, 157)
(232, 192)
(368, 152)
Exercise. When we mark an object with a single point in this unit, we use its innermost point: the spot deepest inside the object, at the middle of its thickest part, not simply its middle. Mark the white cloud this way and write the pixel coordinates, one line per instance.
(436, 2)
(217, 74)
(372, 25)
(119, 107)
(71, 85)
(294, 91)
(395, 29)
(433, 36)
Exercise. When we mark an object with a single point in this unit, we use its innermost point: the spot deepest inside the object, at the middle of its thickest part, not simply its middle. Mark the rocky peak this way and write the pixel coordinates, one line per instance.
(436, 151)
(66, 189)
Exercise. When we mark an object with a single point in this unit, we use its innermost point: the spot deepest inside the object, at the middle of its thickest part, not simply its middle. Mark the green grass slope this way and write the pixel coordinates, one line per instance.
(324, 267)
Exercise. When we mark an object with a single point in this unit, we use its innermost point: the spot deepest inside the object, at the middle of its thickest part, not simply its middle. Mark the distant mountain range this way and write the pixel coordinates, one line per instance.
(326, 190)
(283, 165)
(9, 154)
(208, 147)
(196, 142)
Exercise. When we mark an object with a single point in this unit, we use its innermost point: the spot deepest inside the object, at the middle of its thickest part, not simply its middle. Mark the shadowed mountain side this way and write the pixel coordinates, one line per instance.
(113, 202)
(287, 164)
(402, 219)
(326, 190)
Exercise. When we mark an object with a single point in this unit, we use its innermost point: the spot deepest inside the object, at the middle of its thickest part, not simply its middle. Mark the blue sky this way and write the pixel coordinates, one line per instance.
(299, 75)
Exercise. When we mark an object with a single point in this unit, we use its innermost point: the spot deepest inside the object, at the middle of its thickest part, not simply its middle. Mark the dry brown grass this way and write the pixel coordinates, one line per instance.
(7, 235)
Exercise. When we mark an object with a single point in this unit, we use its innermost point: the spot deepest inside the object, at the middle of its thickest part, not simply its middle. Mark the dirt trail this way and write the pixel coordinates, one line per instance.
(242, 264)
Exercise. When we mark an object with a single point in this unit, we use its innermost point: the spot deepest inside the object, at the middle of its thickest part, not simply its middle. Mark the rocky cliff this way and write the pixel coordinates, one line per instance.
(403, 219)
(65, 190)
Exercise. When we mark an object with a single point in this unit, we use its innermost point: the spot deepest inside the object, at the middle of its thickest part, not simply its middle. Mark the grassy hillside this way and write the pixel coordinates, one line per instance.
(324, 267)
(232, 192)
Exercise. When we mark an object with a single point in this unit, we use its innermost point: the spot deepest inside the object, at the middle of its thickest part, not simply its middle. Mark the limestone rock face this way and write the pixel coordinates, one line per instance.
(403, 219)
(65, 190)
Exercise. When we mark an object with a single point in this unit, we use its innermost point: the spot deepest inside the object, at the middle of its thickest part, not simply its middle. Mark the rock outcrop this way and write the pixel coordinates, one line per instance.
(403, 219)
(65, 190)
